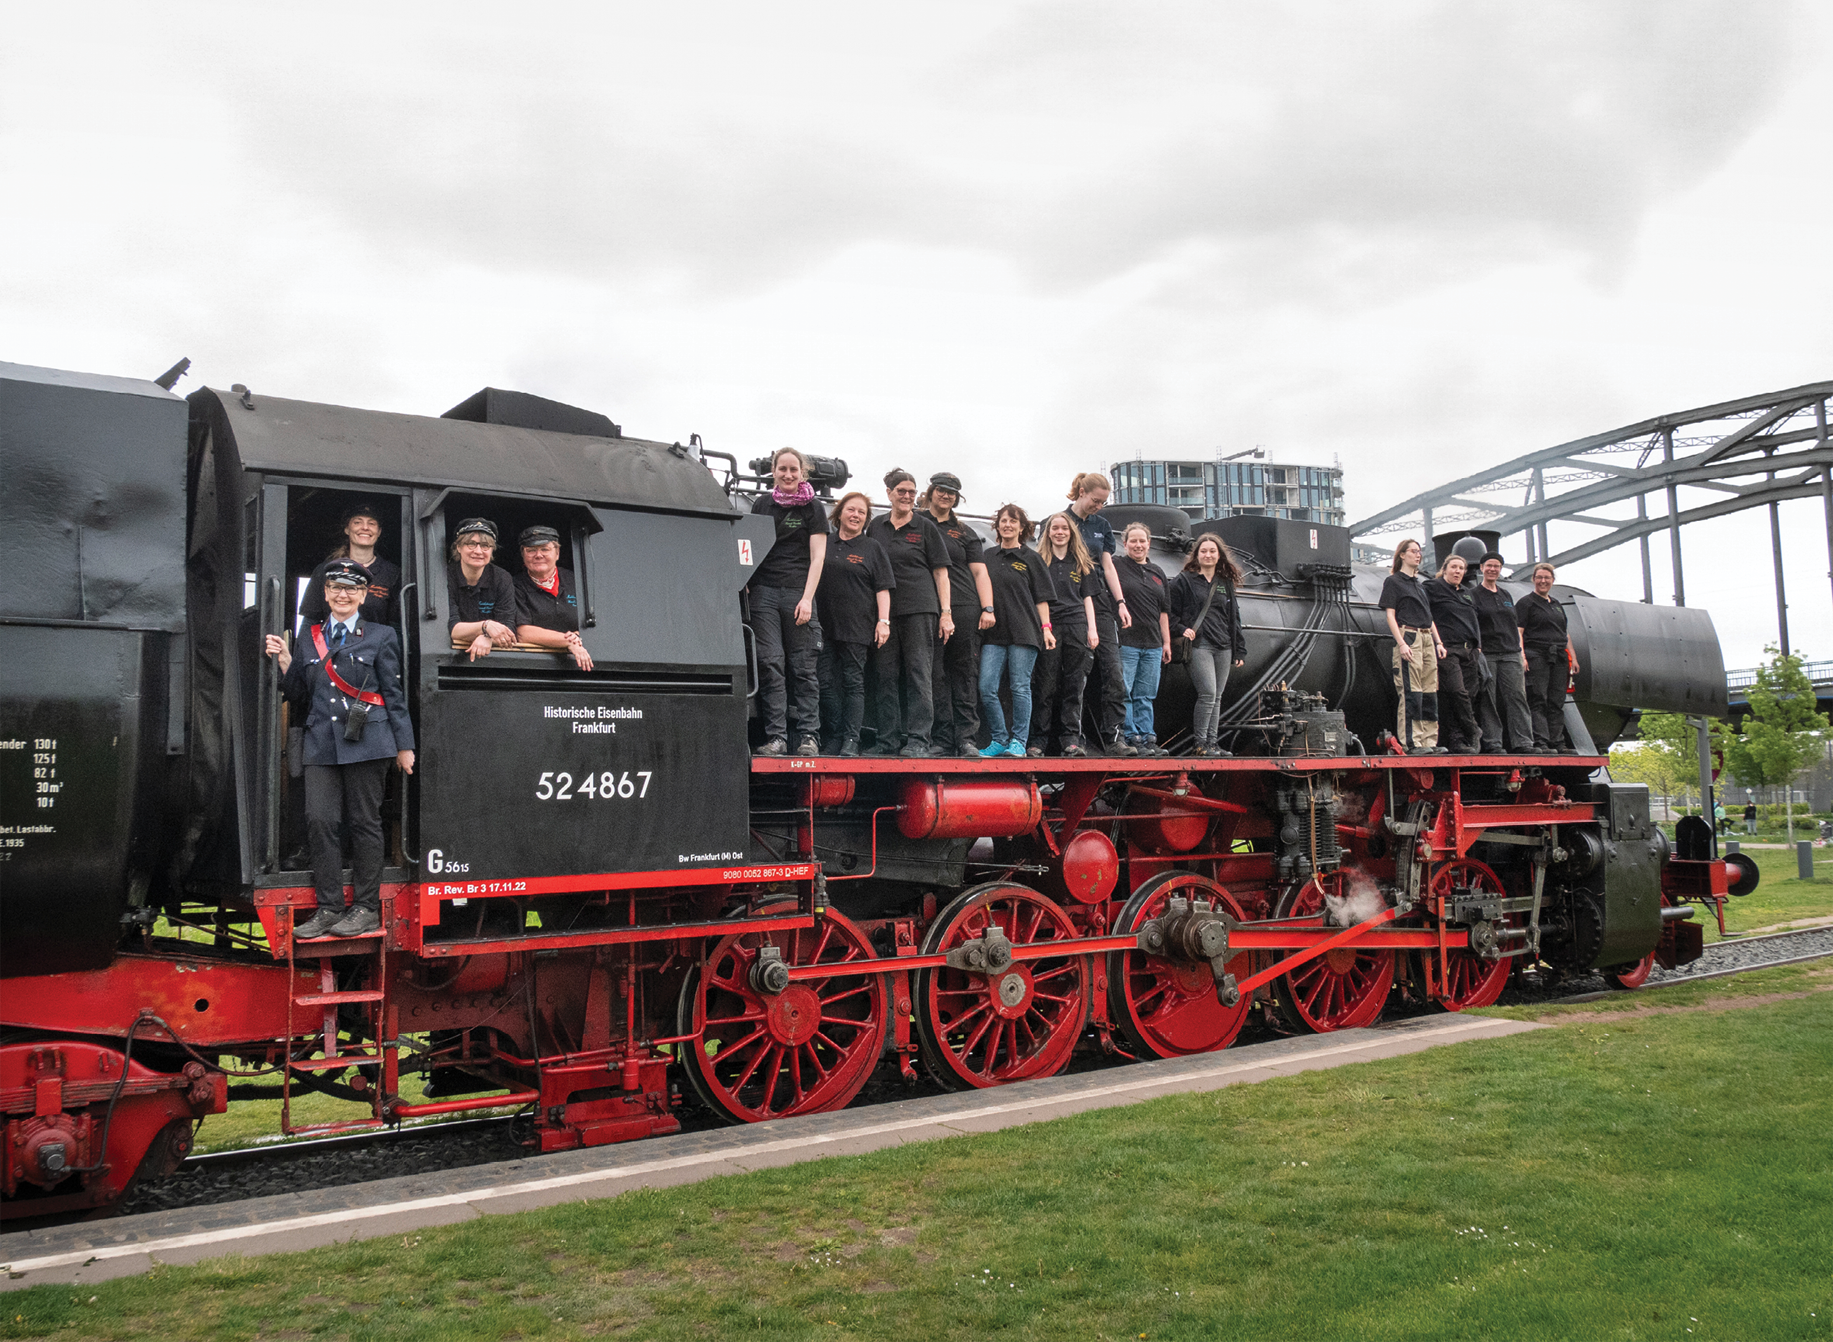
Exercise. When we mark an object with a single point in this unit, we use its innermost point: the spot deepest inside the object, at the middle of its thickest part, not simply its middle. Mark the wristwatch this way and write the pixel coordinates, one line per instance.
(986, 610)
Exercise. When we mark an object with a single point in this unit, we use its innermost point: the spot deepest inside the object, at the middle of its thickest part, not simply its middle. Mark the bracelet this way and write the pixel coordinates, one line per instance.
(1048, 625)
(884, 622)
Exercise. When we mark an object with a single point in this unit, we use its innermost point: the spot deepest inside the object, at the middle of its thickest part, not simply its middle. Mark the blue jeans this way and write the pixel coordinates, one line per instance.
(1141, 666)
(994, 659)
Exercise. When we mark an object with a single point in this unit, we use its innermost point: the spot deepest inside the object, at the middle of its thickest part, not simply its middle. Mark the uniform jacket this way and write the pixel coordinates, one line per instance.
(370, 659)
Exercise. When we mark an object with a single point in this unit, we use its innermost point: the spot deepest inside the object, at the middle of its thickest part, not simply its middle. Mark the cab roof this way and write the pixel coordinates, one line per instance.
(270, 433)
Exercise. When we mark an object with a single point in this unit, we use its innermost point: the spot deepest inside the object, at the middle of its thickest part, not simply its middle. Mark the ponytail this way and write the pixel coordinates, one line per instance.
(1086, 481)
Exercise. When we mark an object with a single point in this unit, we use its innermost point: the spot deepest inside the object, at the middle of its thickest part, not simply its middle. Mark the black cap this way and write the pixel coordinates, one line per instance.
(533, 536)
(346, 573)
(1495, 555)
(476, 526)
(950, 481)
(364, 508)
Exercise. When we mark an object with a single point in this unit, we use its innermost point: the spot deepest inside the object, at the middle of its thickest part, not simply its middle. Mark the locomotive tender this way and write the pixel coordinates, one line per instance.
(597, 902)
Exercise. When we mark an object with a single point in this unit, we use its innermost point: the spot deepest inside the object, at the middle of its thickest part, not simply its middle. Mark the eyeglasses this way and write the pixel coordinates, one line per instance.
(907, 492)
(476, 545)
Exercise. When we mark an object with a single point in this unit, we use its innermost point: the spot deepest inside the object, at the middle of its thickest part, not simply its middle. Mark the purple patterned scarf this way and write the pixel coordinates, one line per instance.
(802, 493)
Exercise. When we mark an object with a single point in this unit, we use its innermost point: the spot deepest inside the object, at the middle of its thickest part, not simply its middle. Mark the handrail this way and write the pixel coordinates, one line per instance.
(406, 682)
(750, 661)
(268, 724)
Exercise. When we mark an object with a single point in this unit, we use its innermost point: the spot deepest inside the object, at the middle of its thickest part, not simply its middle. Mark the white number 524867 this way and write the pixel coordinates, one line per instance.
(604, 786)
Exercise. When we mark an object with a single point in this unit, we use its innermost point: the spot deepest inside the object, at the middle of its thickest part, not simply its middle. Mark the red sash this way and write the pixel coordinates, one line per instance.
(369, 697)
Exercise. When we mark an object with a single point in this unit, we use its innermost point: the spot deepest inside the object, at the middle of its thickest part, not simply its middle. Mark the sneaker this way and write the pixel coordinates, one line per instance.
(1075, 750)
(808, 746)
(849, 748)
(1016, 749)
(318, 925)
(776, 745)
(357, 923)
(994, 751)
(1149, 745)
(1218, 753)
(1200, 751)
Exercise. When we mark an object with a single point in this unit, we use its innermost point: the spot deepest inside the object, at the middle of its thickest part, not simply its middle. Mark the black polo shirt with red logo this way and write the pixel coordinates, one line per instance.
(964, 548)
(855, 573)
(786, 565)
(913, 549)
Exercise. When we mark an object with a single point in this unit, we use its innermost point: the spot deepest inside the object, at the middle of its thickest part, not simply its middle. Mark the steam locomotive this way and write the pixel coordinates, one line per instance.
(599, 908)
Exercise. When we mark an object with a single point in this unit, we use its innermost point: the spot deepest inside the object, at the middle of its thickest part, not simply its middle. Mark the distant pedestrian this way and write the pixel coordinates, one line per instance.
(1750, 816)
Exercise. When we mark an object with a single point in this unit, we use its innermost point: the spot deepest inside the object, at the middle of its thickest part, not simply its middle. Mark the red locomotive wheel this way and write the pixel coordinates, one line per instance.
(769, 1055)
(1342, 989)
(1168, 1008)
(1470, 980)
(1019, 1023)
(1634, 974)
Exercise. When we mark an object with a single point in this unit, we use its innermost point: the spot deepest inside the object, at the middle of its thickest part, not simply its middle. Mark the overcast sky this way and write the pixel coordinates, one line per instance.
(1011, 240)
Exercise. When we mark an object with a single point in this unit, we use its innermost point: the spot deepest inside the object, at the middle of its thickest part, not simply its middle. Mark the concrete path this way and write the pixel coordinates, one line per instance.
(92, 1251)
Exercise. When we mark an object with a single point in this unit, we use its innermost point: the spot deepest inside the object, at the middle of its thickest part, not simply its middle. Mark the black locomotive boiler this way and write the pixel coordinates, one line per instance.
(597, 905)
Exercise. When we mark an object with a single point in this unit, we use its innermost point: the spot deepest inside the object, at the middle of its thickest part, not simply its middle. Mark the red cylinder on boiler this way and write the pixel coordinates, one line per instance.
(974, 808)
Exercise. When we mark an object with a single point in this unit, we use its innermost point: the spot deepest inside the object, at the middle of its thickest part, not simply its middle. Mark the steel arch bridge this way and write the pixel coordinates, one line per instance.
(1749, 453)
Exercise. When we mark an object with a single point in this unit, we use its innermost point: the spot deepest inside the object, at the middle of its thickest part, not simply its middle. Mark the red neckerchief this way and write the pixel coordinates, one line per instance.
(369, 697)
(551, 591)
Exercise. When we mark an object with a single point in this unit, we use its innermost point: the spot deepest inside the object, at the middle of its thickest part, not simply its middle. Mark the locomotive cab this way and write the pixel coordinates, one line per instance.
(535, 780)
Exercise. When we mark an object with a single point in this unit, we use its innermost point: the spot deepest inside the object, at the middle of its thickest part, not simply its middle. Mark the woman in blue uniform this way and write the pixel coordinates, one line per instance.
(480, 596)
(855, 602)
(348, 683)
(782, 609)
(1020, 630)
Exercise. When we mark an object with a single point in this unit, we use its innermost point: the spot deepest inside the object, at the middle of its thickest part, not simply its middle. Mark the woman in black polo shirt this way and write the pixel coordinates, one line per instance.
(1454, 615)
(1020, 629)
(855, 601)
(362, 530)
(1417, 648)
(957, 658)
(919, 608)
(480, 596)
(1502, 709)
(782, 609)
(1549, 661)
(547, 603)
(1062, 671)
(1145, 644)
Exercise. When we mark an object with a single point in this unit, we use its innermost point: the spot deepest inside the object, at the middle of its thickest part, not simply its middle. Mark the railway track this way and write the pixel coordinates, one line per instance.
(274, 1168)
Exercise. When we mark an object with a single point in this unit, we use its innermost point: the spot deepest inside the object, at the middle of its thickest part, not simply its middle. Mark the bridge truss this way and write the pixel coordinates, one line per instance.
(1750, 453)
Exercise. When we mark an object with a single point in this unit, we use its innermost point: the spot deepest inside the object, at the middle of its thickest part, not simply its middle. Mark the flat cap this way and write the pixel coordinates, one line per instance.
(532, 536)
(476, 526)
(947, 480)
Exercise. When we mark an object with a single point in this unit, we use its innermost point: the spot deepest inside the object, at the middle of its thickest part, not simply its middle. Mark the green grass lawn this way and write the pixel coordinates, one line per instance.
(1612, 1178)
(1781, 896)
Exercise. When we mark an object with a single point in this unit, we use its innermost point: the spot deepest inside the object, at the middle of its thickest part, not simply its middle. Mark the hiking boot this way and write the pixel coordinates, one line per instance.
(776, 745)
(318, 925)
(808, 746)
(357, 923)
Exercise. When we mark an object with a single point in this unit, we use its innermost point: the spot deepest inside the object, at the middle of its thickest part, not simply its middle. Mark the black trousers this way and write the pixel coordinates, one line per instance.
(843, 689)
(955, 674)
(1110, 680)
(906, 696)
(788, 691)
(1546, 697)
(1458, 685)
(1056, 693)
(350, 794)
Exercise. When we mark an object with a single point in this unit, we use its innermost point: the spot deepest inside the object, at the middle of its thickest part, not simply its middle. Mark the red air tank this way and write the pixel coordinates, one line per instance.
(972, 808)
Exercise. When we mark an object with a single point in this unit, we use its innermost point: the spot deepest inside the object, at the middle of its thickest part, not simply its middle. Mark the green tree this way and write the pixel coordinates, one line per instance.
(1652, 764)
(1783, 733)
(1670, 758)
